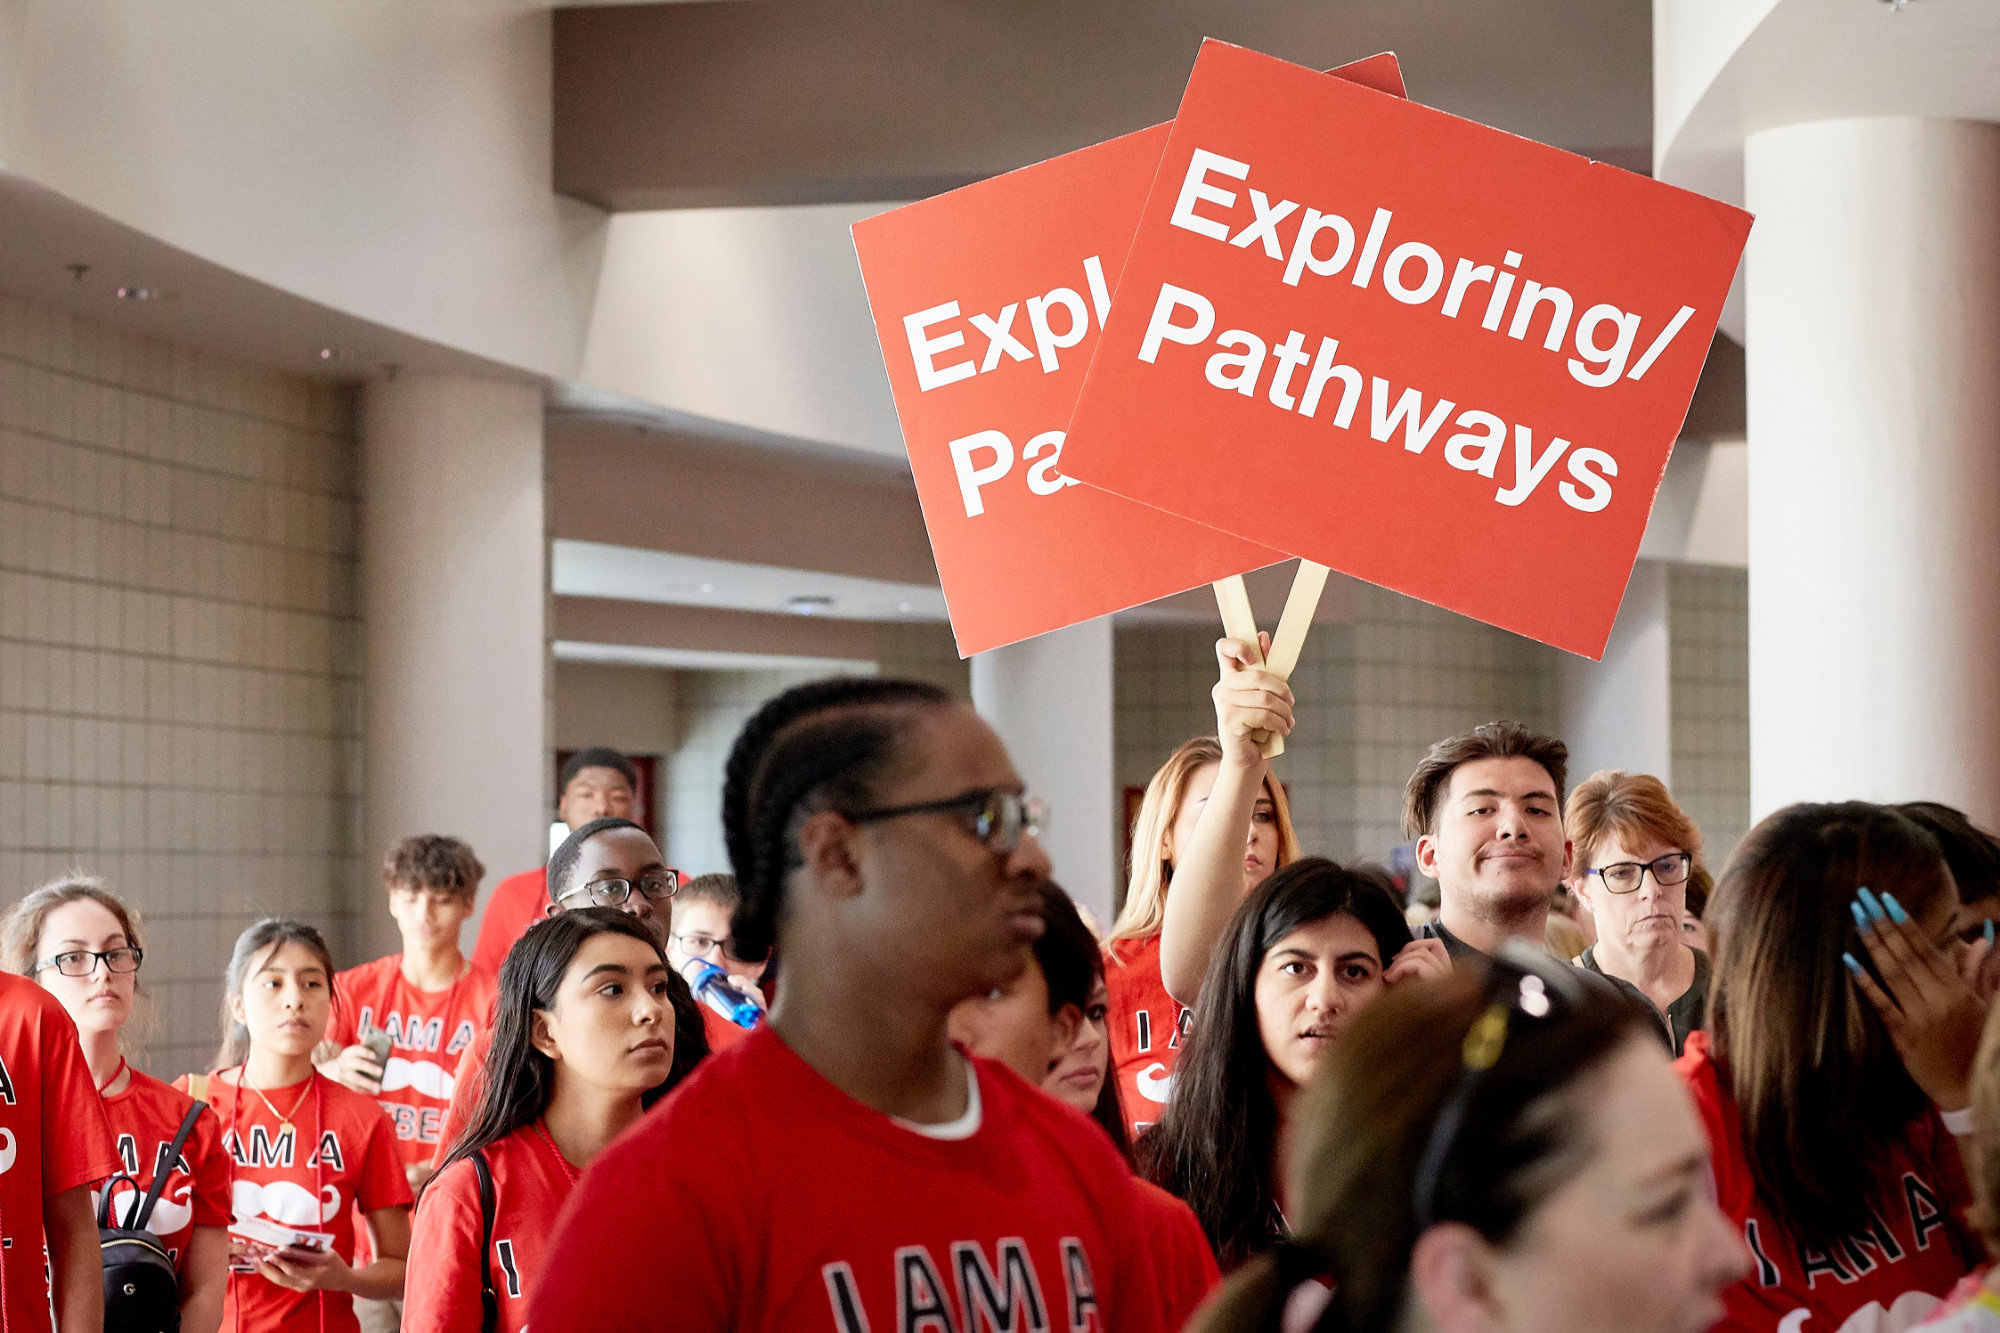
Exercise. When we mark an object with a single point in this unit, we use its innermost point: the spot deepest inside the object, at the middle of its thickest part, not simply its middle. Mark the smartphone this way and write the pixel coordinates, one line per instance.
(377, 1043)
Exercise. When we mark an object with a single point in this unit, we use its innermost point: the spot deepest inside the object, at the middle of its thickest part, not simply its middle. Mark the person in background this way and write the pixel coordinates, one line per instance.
(1493, 1153)
(57, 1144)
(1225, 786)
(1835, 934)
(1699, 886)
(1307, 951)
(1574, 909)
(702, 908)
(845, 1166)
(1635, 850)
(609, 862)
(584, 1039)
(596, 783)
(81, 942)
(306, 1152)
(1424, 903)
(1974, 857)
(1032, 1025)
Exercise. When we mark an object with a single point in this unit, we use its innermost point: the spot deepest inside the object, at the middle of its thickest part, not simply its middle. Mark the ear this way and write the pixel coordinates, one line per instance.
(1578, 885)
(541, 1037)
(550, 911)
(1451, 1274)
(235, 1001)
(1569, 857)
(1427, 855)
(826, 846)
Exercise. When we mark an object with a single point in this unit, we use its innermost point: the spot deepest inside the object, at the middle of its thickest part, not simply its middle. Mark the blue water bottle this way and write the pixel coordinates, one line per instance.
(710, 985)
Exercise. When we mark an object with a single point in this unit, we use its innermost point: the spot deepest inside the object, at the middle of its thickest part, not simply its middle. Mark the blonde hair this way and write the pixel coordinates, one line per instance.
(1628, 806)
(21, 939)
(1152, 831)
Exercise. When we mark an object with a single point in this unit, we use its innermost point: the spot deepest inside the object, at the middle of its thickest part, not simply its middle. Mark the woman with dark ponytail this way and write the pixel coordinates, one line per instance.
(589, 1031)
(1493, 1152)
(845, 1166)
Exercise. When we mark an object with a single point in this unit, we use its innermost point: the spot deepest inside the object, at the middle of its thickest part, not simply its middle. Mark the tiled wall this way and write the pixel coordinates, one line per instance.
(179, 645)
(1708, 619)
(1373, 693)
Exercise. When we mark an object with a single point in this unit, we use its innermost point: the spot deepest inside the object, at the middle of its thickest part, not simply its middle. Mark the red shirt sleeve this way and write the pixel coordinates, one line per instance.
(212, 1202)
(517, 900)
(444, 1250)
(381, 1183)
(77, 1147)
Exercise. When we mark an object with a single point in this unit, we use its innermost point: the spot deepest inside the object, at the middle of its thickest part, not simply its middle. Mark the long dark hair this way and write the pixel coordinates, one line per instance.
(1215, 1145)
(1817, 1082)
(1072, 964)
(518, 1080)
(823, 745)
(1364, 1127)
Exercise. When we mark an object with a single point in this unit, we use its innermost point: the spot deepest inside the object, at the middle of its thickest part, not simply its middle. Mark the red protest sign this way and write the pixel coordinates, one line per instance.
(989, 301)
(1419, 350)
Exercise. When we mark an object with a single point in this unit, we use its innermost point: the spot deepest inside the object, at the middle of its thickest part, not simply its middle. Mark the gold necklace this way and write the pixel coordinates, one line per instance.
(284, 1120)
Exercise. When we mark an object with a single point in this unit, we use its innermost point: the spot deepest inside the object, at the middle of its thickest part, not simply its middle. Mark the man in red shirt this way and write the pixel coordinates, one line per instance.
(596, 782)
(845, 1167)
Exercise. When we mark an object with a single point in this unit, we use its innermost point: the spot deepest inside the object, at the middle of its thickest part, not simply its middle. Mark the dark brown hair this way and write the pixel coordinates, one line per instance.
(1365, 1124)
(1972, 853)
(434, 862)
(1423, 795)
(1817, 1082)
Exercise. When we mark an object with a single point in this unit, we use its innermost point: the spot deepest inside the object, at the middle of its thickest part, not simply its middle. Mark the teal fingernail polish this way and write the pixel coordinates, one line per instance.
(1896, 912)
(1861, 922)
(1852, 966)
(1989, 931)
(1872, 903)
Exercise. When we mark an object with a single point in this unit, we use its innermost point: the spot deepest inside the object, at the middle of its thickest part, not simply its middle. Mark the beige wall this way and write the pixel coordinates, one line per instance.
(179, 645)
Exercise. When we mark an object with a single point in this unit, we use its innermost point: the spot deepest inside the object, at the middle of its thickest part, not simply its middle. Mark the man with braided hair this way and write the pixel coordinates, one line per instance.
(845, 1167)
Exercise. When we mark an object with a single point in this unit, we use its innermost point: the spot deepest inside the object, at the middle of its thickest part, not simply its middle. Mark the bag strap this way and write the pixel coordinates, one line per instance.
(104, 1199)
(489, 1296)
(143, 1218)
(198, 1087)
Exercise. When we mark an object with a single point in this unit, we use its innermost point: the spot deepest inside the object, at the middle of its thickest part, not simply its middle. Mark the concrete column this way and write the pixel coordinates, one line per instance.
(1616, 713)
(1050, 698)
(455, 576)
(1873, 325)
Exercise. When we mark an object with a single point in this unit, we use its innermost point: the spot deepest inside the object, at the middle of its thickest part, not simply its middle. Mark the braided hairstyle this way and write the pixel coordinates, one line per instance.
(820, 746)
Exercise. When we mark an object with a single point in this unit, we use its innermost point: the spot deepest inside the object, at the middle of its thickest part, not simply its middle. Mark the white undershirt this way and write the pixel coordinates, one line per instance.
(964, 1127)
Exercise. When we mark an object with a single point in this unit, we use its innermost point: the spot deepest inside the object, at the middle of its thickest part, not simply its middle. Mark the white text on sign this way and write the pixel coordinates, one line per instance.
(1056, 320)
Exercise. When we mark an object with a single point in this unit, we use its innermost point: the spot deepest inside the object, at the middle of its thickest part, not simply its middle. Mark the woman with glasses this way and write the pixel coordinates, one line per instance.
(1493, 1152)
(1635, 850)
(81, 944)
(845, 1166)
(1833, 1077)
(1305, 954)
(587, 1034)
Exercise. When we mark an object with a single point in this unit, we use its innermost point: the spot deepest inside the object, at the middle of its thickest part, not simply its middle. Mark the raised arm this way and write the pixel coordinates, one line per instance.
(1208, 878)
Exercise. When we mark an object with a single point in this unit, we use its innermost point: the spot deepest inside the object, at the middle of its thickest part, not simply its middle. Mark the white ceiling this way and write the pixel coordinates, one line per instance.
(594, 569)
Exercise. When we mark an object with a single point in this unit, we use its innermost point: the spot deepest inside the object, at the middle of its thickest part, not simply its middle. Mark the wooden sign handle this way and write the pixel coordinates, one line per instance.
(1240, 622)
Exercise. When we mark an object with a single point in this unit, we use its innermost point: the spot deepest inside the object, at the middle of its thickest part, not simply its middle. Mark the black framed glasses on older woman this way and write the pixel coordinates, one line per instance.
(83, 962)
(1627, 876)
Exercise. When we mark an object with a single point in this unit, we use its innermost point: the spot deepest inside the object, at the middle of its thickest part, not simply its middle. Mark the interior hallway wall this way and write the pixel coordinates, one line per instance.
(1708, 620)
(179, 646)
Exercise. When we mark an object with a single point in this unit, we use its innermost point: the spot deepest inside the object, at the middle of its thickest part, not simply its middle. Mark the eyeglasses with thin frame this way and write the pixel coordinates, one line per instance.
(614, 892)
(695, 943)
(83, 962)
(996, 816)
(1627, 876)
(1524, 985)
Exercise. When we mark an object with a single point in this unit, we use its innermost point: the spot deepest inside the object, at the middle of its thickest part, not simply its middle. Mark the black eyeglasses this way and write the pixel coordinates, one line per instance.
(83, 962)
(1627, 876)
(613, 892)
(1525, 983)
(997, 817)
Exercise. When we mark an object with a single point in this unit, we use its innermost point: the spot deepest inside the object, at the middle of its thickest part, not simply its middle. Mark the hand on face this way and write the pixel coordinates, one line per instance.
(1498, 847)
(101, 1001)
(1926, 998)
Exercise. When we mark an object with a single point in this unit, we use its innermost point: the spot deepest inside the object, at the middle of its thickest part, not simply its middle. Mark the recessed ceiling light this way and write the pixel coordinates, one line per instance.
(707, 588)
(904, 607)
(137, 294)
(808, 604)
(334, 354)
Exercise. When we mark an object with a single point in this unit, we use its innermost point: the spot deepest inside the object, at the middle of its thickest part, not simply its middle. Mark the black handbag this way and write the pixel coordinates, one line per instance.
(142, 1293)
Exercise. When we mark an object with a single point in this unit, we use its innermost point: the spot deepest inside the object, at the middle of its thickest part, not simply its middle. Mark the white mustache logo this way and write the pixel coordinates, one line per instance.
(8, 1148)
(282, 1201)
(1154, 1084)
(427, 1078)
(168, 1217)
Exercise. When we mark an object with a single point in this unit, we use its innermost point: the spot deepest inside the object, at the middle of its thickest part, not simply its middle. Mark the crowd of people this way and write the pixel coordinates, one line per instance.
(882, 1075)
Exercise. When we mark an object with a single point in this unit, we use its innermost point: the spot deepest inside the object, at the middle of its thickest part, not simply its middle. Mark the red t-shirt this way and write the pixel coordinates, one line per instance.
(428, 1032)
(530, 1182)
(1888, 1279)
(721, 1033)
(53, 1137)
(771, 1201)
(517, 902)
(1147, 1029)
(1185, 1265)
(144, 1119)
(341, 1152)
